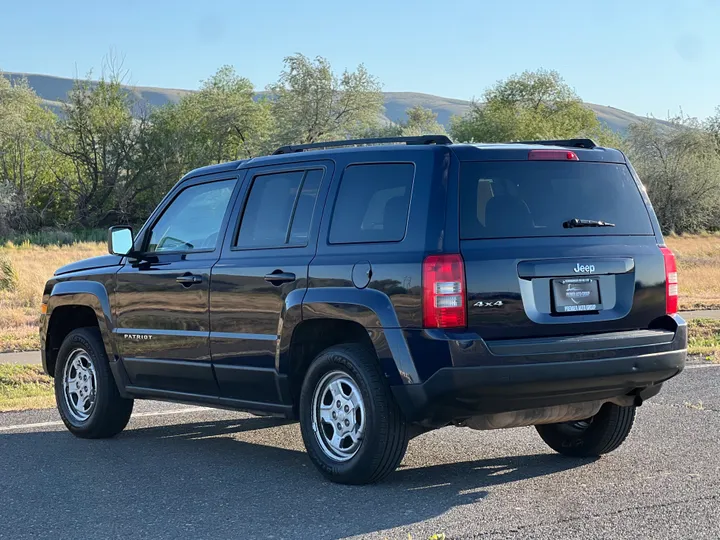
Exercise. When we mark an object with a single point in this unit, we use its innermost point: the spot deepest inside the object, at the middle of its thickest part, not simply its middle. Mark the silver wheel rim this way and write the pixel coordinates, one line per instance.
(338, 416)
(79, 385)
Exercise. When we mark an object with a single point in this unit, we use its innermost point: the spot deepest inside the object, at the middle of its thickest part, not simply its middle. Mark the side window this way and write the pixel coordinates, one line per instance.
(372, 203)
(304, 208)
(279, 209)
(192, 221)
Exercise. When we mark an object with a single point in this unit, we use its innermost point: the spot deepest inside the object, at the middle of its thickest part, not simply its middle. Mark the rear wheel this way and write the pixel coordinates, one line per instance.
(353, 430)
(87, 398)
(592, 437)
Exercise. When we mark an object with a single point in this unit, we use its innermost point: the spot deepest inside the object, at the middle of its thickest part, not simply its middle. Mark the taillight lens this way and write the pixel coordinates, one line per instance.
(552, 155)
(671, 281)
(444, 292)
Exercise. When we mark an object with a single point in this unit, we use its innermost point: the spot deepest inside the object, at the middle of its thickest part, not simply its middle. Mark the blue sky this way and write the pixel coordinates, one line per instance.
(647, 57)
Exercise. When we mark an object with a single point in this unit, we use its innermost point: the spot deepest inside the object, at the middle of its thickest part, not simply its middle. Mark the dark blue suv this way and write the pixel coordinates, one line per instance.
(373, 289)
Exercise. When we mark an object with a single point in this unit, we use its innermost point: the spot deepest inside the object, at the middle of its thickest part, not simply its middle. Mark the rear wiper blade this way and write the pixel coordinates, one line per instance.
(575, 222)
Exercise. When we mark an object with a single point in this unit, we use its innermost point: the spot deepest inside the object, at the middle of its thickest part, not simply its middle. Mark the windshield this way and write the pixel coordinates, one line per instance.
(508, 199)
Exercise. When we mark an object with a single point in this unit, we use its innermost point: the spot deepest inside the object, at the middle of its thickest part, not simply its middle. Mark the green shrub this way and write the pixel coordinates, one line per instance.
(8, 275)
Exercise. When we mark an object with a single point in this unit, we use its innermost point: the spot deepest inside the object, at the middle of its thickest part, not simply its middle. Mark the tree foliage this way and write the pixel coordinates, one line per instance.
(226, 121)
(712, 126)
(109, 158)
(103, 136)
(532, 105)
(310, 103)
(24, 156)
(680, 167)
(420, 121)
(221, 122)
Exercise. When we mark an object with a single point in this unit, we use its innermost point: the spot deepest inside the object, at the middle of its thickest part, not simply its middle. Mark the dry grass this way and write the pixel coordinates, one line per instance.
(20, 296)
(704, 338)
(698, 259)
(25, 387)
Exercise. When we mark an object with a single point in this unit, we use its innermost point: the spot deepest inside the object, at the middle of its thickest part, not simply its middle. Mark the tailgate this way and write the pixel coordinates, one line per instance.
(519, 288)
(532, 271)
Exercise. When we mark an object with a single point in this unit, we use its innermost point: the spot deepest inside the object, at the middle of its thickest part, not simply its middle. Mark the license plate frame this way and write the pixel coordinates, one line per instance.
(576, 295)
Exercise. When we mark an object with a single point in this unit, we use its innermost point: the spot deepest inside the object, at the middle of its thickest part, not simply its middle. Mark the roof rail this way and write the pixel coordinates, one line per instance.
(572, 143)
(422, 139)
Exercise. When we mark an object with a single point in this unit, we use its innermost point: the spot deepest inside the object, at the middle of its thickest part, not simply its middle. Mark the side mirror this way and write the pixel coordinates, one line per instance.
(120, 240)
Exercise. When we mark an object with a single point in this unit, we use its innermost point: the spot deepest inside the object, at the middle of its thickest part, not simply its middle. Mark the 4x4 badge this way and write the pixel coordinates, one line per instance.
(497, 303)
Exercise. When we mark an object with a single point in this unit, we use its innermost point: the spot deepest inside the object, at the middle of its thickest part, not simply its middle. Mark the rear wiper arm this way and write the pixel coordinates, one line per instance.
(575, 222)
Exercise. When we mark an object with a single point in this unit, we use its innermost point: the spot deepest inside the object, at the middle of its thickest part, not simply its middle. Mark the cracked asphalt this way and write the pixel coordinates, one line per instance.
(187, 472)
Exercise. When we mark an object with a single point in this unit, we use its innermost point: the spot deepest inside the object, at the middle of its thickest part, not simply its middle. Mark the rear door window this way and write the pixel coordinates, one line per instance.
(372, 203)
(279, 209)
(510, 199)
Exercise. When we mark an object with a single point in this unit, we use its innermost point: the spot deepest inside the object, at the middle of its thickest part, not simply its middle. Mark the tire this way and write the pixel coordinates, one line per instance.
(379, 428)
(598, 435)
(88, 413)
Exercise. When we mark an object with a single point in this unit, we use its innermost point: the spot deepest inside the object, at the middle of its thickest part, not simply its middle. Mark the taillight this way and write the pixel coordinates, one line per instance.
(444, 292)
(552, 155)
(671, 281)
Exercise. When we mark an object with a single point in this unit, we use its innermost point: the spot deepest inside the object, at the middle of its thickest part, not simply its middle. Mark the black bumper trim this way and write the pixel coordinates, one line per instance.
(459, 392)
(584, 343)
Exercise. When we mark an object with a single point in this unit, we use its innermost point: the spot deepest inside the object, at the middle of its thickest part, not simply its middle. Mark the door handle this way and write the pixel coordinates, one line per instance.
(278, 277)
(188, 279)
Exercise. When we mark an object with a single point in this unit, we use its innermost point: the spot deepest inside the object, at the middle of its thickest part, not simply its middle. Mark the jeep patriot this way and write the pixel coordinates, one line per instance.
(376, 288)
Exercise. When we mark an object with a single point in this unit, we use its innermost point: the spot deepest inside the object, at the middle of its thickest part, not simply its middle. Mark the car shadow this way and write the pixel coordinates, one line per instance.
(203, 479)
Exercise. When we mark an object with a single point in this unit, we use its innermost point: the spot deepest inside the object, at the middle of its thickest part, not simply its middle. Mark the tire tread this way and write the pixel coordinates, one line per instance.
(112, 411)
(389, 420)
(608, 430)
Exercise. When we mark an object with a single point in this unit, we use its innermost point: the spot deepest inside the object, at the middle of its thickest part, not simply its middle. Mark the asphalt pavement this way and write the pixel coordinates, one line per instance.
(189, 472)
(28, 357)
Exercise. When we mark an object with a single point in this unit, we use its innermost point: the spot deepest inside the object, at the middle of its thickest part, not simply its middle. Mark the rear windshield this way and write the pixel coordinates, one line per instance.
(510, 199)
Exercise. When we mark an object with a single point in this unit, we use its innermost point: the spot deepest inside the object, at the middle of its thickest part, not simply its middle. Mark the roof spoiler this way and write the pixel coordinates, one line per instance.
(571, 143)
(422, 139)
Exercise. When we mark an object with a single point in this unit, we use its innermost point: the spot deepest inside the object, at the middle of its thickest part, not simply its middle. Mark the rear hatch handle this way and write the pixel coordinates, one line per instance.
(572, 267)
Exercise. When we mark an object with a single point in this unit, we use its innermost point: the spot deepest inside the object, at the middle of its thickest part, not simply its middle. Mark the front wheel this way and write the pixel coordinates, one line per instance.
(592, 437)
(87, 397)
(353, 429)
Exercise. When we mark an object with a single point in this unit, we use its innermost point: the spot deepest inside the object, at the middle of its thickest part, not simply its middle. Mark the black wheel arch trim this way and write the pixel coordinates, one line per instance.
(370, 308)
(90, 294)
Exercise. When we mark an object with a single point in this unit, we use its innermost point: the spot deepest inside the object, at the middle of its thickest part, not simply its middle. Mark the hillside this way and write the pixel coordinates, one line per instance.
(52, 90)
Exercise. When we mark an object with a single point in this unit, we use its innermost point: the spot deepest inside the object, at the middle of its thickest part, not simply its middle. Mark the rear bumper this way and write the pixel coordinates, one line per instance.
(555, 372)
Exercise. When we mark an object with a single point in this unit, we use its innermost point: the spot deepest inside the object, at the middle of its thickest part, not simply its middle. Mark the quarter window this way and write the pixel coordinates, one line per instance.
(372, 203)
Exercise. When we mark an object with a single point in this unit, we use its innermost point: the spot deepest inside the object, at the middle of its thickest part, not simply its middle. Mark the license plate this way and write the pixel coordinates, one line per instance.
(574, 295)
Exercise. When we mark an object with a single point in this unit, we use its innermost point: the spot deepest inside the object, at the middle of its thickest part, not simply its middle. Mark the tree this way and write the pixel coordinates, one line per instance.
(103, 135)
(680, 167)
(228, 120)
(712, 126)
(310, 103)
(25, 158)
(221, 122)
(421, 121)
(532, 105)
